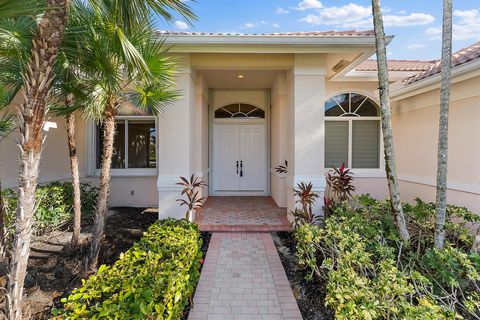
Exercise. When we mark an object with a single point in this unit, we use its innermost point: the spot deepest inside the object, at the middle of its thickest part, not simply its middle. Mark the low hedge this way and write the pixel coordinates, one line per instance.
(370, 274)
(152, 280)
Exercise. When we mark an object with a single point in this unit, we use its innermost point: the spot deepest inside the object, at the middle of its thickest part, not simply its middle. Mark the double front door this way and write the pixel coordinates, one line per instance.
(239, 158)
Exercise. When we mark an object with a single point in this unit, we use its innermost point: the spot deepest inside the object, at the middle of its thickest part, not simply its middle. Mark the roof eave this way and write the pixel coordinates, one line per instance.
(204, 43)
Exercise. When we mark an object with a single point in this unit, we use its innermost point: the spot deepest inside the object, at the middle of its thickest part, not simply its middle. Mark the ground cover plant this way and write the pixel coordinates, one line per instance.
(54, 206)
(371, 274)
(154, 279)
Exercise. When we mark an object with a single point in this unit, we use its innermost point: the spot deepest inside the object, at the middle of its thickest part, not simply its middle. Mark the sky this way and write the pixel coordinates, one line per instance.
(416, 24)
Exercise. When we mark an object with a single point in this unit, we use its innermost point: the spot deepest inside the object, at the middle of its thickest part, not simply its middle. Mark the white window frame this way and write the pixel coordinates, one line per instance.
(360, 172)
(127, 172)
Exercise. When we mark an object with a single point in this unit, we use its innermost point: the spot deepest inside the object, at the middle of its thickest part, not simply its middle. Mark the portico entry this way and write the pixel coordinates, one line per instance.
(239, 150)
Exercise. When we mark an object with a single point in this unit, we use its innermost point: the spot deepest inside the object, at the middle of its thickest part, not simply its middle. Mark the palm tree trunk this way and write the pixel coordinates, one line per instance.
(104, 187)
(386, 116)
(2, 225)
(442, 156)
(38, 77)
(77, 204)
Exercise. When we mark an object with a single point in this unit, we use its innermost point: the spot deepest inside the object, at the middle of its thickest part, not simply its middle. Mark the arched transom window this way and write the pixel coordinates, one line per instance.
(239, 110)
(352, 132)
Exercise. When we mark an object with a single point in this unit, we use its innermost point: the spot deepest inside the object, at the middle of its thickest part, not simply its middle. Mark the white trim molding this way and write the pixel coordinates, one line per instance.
(318, 181)
(455, 186)
(364, 173)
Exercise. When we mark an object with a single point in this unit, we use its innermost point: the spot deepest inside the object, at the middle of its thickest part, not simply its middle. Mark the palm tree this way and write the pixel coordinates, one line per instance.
(7, 123)
(442, 157)
(69, 88)
(386, 115)
(38, 75)
(15, 43)
(121, 64)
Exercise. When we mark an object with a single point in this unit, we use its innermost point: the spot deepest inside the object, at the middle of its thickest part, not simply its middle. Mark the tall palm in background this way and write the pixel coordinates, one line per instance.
(386, 115)
(442, 156)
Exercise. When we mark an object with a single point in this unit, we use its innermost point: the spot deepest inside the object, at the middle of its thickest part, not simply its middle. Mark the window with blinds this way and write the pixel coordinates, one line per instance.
(352, 132)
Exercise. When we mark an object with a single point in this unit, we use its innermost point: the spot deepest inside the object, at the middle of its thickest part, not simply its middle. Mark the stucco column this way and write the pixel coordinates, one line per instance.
(306, 125)
(175, 147)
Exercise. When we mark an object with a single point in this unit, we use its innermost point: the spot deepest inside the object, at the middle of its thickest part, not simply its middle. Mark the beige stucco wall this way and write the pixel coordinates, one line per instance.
(54, 164)
(415, 125)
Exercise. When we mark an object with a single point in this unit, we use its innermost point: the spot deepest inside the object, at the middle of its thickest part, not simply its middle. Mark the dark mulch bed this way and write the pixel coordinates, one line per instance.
(53, 269)
(206, 236)
(310, 294)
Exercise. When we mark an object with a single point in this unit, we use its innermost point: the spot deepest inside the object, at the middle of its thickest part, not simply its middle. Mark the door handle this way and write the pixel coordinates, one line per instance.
(237, 166)
(241, 168)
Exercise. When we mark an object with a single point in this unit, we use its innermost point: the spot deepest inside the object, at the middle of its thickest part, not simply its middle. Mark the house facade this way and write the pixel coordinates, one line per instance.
(252, 102)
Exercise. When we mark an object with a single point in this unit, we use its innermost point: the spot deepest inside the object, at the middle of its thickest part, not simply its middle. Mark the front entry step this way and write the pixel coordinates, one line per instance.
(242, 214)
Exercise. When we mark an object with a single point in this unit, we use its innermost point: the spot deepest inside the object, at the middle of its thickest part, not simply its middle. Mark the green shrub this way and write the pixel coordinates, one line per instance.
(54, 205)
(154, 279)
(370, 274)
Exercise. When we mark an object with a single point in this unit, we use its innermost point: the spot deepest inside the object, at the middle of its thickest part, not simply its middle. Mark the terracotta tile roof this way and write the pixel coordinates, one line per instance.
(460, 57)
(397, 65)
(331, 33)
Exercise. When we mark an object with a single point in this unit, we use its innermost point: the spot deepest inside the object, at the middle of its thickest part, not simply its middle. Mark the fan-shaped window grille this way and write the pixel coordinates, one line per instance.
(239, 110)
(352, 132)
(351, 105)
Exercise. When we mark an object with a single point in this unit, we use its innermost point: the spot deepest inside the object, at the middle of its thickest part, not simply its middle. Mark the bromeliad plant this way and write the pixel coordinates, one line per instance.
(306, 197)
(339, 188)
(191, 189)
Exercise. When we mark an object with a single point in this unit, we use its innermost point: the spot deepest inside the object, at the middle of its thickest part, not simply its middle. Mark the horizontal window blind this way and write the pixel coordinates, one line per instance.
(365, 144)
(336, 143)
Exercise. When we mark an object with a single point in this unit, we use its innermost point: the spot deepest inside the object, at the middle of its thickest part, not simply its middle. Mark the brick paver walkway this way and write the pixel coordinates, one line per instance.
(243, 278)
(258, 214)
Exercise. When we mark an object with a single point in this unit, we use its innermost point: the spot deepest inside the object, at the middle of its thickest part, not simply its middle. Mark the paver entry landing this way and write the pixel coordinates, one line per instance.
(243, 278)
(253, 214)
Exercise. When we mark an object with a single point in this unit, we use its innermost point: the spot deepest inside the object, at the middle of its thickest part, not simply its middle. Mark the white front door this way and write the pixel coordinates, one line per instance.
(239, 158)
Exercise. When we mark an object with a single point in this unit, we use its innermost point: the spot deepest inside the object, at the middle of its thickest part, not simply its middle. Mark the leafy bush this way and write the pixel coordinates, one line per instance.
(154, 279)
(54, 205)
(370, 274)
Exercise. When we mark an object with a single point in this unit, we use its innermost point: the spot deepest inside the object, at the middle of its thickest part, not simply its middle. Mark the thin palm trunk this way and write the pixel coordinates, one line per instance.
(2, 224)
(104, 187)
(72, 149)
(386, 116)
(442, 156)
(37, 82)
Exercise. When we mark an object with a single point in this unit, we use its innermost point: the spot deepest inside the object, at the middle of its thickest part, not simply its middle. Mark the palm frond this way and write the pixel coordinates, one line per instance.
(10, 8)
(132, 13)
